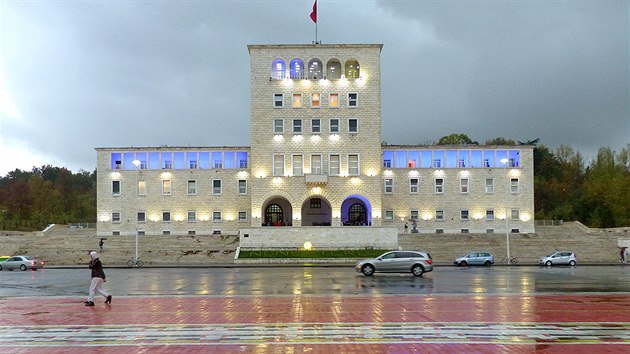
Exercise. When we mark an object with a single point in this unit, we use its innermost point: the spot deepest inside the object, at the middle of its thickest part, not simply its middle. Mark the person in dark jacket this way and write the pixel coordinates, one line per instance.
(98, 277)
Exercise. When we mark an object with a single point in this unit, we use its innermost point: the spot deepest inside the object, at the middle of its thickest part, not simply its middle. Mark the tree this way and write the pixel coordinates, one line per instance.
(456, 139)
(501, 141)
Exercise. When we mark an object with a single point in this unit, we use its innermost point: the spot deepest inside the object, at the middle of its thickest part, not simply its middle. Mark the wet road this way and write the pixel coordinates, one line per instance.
(296, 280)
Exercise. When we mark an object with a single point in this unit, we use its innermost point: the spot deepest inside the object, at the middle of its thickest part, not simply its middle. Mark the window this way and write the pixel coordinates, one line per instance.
(315, 100)
(465, 231)
(439, 185)
(413, 214)
(353, 99)
(192, 187)
(315, 69)
(115, 187)
(216, 216)
(141, 216)
(142, 188)
(242, 216)
(439, 231)
(242, 186)
(278, 165)
(353, 165)
(515, 231)
(413, 186)
(192, 216)
(387, 163)
(489, 214)
(316, 203)
(316, 126)
(334, 165)
(489, 231)
(333, 100)
(352, 69)
(298, 165)
(278, 100)
(463, 215)
(389, 215)
(334, 125)
(333, 69)
(515, 214)
(389, 185)
(192, 232)
(115, 233)
(278, 69)
(166, 187)
(437, 163)
(489, 185)
(296, 69)
(463, 185)
(513, 185)
(166, 233)
(316, 164)
(297, 100)
(439, 215)
(216, 186)
(297, 126)
(116, 217)
(166, 216)
(353, 125)
(278, 126)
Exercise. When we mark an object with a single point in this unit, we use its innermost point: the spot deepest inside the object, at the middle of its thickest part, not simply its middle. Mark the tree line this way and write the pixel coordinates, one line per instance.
(566, 187)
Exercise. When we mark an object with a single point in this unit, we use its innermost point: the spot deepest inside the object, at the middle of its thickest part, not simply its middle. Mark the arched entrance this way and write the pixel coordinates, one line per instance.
(357, 215)
(277, 212)
(356, 210)
(316, 211)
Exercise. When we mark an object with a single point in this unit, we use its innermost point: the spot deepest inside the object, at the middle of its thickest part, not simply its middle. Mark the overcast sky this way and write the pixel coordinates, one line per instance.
(76, 75)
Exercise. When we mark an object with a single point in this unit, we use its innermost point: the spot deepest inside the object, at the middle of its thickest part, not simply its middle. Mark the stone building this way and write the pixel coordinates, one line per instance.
(316, 168)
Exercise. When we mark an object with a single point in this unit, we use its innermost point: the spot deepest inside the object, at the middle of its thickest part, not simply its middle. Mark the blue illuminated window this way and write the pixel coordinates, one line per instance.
(278, 69)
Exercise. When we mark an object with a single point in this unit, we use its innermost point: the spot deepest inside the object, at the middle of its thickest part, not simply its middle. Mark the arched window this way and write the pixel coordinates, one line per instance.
(274, 215)
(315, 69)
(333, 69)
(352, 69)
(278, 69)
(357, 214)
(297, 69)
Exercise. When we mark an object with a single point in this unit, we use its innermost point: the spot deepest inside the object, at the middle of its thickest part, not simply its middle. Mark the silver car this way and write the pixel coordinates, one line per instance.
(560, 257)
(475, 258)
(397, 262)
(22, 263)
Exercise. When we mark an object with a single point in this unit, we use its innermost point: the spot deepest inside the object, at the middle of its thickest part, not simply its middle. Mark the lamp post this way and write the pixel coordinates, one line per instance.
(137, 164)
(505, 161)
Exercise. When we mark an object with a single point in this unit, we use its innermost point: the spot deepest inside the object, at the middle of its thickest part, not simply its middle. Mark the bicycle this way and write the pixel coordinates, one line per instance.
(511, 260)
(134, 262)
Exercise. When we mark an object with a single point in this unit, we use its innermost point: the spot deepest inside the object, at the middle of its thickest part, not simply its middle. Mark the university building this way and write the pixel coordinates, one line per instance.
(316, 168)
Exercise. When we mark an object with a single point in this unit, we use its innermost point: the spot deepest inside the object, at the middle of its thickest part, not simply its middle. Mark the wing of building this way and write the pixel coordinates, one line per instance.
(316, 167)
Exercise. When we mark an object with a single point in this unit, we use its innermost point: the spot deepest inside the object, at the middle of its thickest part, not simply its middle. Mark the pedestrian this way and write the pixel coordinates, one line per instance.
(100, 245)
(406, 227)
(98, 277)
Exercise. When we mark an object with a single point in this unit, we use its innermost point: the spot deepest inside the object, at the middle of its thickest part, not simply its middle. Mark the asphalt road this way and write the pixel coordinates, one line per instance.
(311, 280)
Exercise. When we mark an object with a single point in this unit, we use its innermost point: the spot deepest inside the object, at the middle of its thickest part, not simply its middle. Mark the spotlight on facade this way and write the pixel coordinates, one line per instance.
(308, 245)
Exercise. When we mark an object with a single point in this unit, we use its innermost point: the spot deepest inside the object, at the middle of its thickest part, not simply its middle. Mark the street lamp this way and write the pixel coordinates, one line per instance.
(505, 161)
(137, 164)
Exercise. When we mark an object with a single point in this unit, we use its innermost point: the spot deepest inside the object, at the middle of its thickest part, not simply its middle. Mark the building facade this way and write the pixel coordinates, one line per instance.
(315, 163)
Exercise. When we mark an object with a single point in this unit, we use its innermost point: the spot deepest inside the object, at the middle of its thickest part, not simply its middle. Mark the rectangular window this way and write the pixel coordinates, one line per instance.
(334, 165)
(353, 99)
(333, 101)
(315, 100)
(278, 126)
(216, 186)
(353, 165)
(439, 185)
(242, 216)
(278, 100)
(413, 186)
(514, 185)
(489, 185)
(389, 215)
(192, 232)
(439, 231)
(216, 216)
(298, 165)
(192, 216)
(115, 187)
(316, 203)
(141, 216)
(278, 165)
(116, 217)
(413, 214)
(353, 125)
(166, 187)
(387, 163)
(142, 188)
(489, 231)
(463, 215)
(166, 232)
(439, 215)
(297, 100)
(463, 185)
(489, 214)
(515, 214)
(389, 185)
(192, 187)
(297, 126)
(166, 216)
(334, 125)
(242, 186)
(437, 163)
(192, 164)
(465, 231)
(316, 164)
(316, 126)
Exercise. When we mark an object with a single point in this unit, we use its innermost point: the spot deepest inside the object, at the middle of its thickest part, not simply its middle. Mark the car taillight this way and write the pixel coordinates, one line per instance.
(42, 262)
(429, 261)
(33, 263)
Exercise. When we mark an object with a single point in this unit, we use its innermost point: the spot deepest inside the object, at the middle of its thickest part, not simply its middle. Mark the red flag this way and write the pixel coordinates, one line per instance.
(314, 13)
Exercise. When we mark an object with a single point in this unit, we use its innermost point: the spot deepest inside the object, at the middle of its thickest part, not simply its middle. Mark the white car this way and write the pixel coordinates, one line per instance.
(559, 257)
(22, 263)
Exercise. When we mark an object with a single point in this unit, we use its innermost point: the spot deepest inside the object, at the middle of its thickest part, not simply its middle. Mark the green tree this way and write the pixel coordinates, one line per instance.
(456, 139)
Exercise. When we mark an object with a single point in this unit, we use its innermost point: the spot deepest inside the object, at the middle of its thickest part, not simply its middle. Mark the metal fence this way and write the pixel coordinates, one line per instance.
(549, 222)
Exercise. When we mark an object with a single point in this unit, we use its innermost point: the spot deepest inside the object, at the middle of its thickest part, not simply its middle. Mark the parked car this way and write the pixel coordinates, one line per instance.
(559, 257)
(397, 262)
(22, 263)
(475, 258)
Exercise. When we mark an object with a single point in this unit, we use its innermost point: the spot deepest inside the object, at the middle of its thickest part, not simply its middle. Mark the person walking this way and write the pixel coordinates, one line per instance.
(406, 227)
(98, 277)
(100, 245)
